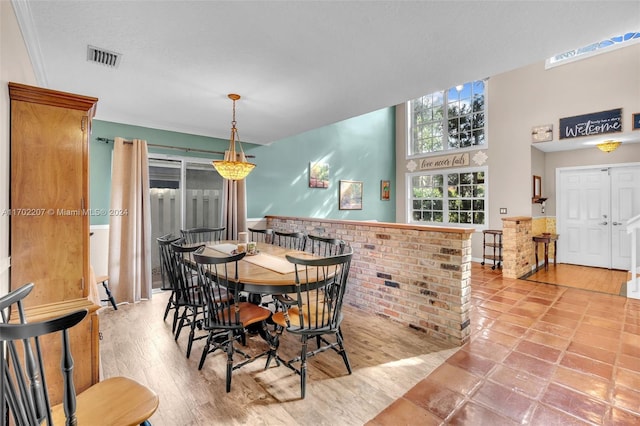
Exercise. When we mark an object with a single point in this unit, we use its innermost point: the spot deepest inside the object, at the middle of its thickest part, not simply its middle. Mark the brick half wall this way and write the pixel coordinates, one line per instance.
(416, 275)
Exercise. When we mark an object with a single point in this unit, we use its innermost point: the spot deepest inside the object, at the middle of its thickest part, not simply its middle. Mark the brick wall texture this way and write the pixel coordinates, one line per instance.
(419, 276)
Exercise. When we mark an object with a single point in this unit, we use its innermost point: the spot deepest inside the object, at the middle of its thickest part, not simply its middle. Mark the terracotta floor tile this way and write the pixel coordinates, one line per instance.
(587, 365)
(592, 338)
(496, 306)
(503, 339)
(434, 397)
(601, 322)
(630, 344)
(516, 319)
(507, 328)
(404, 412)
(592, 352)
(486, 348)
(558, 320)
(563, 306)
(617, 417)
(628, 362)
(605, 313)
(454, 378)
(557, 330)
(547, 339)
(540, 299)
(564, 313)
(518, 380)
(627, 399)
(632, 328)
(530, 365)
(547, 416)
(539, 351)
(504, 300)
(590, 385)
(574, 403)
(473, 414)
(472, 363)
(528, 312)
(627, 378)
(503, 401)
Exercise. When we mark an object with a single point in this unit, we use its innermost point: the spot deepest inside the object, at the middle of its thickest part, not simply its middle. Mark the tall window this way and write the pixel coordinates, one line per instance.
(448, 120)
(449, 198)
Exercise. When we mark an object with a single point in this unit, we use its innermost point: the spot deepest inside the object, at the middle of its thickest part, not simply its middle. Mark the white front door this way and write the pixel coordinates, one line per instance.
(625, 204)
(593, 207)
(583, 218)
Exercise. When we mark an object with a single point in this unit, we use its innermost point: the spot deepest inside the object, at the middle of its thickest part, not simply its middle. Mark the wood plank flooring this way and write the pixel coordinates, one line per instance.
(387, 359)
(594, 279)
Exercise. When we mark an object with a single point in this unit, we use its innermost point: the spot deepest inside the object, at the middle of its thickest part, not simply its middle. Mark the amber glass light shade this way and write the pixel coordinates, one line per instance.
(608, 146)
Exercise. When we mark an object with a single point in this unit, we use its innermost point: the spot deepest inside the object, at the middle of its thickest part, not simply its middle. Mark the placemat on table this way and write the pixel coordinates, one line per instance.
(271, 262)
(224, 248)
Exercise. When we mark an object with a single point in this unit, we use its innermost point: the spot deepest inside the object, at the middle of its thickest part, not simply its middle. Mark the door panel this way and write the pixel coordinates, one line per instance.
(582, 213)
(625, 204)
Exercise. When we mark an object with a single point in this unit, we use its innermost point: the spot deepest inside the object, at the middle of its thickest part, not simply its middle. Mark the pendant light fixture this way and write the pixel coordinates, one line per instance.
(235, 165)
(608, 145)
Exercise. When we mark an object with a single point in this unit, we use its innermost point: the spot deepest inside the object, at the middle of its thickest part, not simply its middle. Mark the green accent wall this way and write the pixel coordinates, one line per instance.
(361, 148)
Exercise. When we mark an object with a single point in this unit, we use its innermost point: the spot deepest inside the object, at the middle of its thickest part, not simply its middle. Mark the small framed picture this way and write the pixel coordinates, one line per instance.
(350, 195)
(318, 175)
(635, 121)
(385, 190)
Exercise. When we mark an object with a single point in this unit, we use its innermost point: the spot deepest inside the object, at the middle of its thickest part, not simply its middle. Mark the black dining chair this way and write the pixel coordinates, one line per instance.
(315, 311)
(261, 235)
(164, 249)
(226, 322)
(202, 235)
(325, 246)
(290, 240)
(189, 300)
(25, 388)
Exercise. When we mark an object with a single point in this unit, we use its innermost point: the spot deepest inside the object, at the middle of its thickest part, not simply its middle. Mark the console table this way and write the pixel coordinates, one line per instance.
(546, 239)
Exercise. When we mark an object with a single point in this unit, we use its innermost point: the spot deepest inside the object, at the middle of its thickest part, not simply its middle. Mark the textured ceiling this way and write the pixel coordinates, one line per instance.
(298, 65)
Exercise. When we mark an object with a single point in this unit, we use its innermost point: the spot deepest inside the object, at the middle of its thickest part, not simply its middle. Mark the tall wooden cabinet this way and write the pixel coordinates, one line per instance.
(49, 221)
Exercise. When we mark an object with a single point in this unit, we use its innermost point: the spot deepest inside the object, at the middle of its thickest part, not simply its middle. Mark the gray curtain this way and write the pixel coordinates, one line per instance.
(130, 222)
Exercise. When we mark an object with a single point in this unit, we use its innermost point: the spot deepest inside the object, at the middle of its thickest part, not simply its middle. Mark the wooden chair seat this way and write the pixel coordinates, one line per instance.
(129, 403)
(316, 319)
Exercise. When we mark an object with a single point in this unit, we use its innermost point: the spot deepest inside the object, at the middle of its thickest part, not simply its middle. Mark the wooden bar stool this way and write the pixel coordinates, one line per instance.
(104, 279)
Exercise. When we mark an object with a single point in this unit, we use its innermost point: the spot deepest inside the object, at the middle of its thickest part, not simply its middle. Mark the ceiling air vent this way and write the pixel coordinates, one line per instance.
(102, 56)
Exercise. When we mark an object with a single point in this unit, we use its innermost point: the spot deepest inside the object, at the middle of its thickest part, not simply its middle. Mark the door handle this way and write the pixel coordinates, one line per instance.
(617, 223)
(603, 223)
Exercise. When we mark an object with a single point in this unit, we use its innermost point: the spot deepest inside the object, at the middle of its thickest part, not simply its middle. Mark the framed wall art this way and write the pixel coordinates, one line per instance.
(318, 175)
(350, 195)
(635, 121)
(385, 190)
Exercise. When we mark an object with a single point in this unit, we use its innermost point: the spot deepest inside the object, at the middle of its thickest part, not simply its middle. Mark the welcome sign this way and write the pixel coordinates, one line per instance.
(596, 123)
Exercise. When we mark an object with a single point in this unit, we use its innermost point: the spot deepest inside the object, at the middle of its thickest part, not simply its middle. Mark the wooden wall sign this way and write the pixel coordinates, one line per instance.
(454, 160)
(596, 123)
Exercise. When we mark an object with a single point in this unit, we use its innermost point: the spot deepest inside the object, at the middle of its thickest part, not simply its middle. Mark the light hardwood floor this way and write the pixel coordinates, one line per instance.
(601, 280)
(387, 359)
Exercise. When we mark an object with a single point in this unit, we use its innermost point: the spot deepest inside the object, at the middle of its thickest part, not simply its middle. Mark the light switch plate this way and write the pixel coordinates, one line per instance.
(503, 210)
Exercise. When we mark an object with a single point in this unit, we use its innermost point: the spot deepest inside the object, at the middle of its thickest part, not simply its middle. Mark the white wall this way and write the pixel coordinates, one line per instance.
(15, 66)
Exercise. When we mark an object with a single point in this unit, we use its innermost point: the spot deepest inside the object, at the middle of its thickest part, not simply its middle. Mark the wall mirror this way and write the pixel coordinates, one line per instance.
(537, 188)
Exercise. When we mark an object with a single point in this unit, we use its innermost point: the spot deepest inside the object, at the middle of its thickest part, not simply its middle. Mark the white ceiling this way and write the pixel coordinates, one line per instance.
(298, 65)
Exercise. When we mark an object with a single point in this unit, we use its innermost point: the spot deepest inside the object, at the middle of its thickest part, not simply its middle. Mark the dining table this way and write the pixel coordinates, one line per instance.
(266, 272)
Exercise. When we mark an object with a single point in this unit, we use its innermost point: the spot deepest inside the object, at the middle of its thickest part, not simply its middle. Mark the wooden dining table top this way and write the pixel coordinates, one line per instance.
(259, 279)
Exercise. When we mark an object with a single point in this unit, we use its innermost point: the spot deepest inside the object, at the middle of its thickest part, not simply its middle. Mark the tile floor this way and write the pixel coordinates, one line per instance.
(539, 354)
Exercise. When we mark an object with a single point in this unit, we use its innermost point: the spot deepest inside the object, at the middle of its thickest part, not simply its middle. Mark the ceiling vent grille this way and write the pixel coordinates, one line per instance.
(102, 56)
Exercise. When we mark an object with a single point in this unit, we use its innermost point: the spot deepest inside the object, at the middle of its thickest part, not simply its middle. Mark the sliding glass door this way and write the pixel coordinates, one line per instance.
(185, 193)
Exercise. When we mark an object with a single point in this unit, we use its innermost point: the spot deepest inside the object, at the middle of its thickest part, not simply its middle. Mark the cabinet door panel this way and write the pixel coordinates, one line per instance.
(47, 188)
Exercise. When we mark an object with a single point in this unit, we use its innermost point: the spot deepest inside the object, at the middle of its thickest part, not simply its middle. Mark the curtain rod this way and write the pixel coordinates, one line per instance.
(107, 140)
